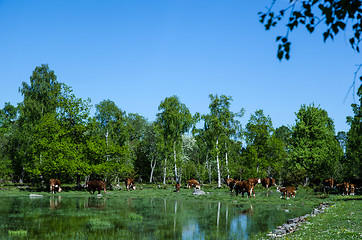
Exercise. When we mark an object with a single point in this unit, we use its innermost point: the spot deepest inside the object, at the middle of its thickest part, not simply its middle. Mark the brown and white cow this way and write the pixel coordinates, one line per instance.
(130, 184)
(177, 186)
(244, 186)
(287, 192)
(255, 181)
(192, 183)
(54, 184)
(96, 185)
(268, 182)
(329, 183)
(230, 183)
(343, 188)
(352, 188)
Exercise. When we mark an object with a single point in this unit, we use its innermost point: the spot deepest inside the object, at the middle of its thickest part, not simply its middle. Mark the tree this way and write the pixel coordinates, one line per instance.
(354, 140)
(315, 149)
(264, 150)
(221, 124)
(174, 120)
(336, 15)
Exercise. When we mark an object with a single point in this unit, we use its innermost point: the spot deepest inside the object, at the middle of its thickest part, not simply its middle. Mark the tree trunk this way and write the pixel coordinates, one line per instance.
(226, 161)
(174, 158)
(164, 171)
(153, 165)
(218, 164)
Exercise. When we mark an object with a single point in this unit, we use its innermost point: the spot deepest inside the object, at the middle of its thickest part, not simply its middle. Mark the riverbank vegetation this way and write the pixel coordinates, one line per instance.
(52, 135)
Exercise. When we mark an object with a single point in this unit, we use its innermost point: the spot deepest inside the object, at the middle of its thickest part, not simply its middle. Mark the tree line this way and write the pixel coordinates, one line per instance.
(51, 134)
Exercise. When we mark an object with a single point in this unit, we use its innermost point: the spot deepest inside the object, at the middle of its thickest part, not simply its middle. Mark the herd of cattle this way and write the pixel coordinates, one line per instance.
(345, 188)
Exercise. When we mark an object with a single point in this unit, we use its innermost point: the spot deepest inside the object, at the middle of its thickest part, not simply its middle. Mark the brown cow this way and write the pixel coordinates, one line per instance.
(329, 183)
(343, 188)
(96, 185)
(351, 189)
(54, 183)
(177, 186)
(244, 186)
(230, 183)
(268, 182)
(192, 183)
(287, 192)
(130, 184)
(255, 181)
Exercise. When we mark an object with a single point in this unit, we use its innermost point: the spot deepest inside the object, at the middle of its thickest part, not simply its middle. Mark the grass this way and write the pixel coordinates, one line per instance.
(342, 220)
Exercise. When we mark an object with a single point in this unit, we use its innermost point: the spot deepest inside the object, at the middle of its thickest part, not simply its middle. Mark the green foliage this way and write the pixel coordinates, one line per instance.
(335, 15)
(315, 150)
(264, 152)
(353, 164)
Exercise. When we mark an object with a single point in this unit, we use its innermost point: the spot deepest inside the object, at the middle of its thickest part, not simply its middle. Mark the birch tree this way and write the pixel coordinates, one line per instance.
(174, 120)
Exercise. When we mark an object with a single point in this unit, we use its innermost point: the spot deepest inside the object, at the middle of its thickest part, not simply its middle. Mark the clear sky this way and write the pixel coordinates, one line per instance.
(136, 53)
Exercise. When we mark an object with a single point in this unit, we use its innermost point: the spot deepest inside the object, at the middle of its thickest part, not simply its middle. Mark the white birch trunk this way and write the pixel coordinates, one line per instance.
(164, 171)
(174, 158)
(226, 161)
(218, 164)
(153, 165)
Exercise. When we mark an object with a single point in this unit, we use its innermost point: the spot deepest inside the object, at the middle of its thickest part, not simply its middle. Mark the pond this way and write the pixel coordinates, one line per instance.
(90, 217)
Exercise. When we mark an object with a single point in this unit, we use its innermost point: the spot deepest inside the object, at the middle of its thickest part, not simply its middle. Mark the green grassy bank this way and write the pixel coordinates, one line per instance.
(342, 220)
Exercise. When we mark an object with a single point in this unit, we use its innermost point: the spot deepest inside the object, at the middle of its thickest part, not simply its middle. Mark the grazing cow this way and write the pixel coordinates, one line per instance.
(96, 185)
(268, 182)
(244, 186)
(255, 181)
(192, 183)
(130, 184)
(230, 183)
(287, 192)
(54, 184)
(177, 186)
(343, 188)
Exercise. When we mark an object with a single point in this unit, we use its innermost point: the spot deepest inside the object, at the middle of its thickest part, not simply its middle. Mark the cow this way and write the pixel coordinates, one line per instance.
(244, 186)
(287, 192)
(192, 183)
(255, 181)
(329, 183)
(96, 185)
(177, 186)
(343, 188)
(351, 189)
(268, 182)
(130, 184)
(230, 183)
(54, 184)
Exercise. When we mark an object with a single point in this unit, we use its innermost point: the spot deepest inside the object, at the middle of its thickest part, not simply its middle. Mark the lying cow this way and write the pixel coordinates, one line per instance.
(230, 183)
(192, 183)
(244, 186)
(96, 185)
(287, 192)
(54, 184)
(268, 182)
(130, 184)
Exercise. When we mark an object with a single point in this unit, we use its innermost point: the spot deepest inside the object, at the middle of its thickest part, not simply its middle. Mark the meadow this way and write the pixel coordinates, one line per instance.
(153, 212)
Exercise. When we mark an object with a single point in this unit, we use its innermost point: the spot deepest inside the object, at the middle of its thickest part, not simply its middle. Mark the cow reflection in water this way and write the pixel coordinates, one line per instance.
(93, 202)
(239, 224)
(54, 202)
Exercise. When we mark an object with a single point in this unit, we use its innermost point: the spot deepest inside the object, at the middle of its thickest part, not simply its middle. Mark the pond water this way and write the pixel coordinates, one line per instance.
(59, 217)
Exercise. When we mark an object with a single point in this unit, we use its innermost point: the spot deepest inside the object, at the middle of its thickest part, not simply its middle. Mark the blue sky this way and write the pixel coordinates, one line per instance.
(136, 53)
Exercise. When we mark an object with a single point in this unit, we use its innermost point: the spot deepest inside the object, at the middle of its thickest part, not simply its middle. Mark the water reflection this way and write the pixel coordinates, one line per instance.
(192, 230)
(137, 218)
